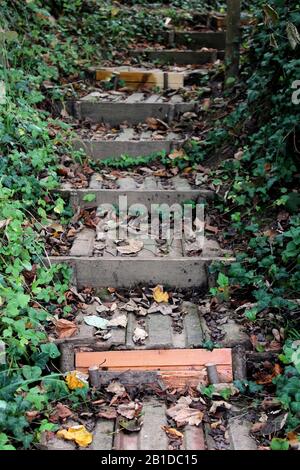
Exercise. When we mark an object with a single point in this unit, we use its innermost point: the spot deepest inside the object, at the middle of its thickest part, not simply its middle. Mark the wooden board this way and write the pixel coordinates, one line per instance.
(135, 79)
(176, 368)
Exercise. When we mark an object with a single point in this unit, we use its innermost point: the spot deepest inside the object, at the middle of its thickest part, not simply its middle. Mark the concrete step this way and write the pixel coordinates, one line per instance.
(175, 56)
(114, 108)
(128, 141)
(137, 188)
(162, 253)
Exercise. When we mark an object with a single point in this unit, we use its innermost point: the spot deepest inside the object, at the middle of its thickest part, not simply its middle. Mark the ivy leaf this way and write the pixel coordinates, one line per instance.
(31, 373)
(279, 444)
(51, 350)
(89, 197)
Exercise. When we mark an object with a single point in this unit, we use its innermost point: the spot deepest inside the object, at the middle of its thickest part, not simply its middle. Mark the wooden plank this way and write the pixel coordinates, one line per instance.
(192, 359)
(156, 368)
(135, 79)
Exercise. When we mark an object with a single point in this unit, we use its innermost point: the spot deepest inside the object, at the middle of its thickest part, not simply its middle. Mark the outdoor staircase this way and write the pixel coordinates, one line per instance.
(175, 263)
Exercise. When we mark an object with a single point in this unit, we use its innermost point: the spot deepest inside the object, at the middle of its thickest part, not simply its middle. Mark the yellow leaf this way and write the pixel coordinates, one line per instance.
(115, 11)
(159, 295)
(74, 380)
(79, 434)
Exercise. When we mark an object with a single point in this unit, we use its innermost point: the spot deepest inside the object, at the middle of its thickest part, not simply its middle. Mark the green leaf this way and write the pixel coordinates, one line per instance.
(89, 197)
(51, 349)
(279, 444)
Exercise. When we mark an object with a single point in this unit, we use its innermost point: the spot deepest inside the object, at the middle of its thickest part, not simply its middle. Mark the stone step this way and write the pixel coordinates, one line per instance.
(194, 39)
(116, 108)
(175, 56)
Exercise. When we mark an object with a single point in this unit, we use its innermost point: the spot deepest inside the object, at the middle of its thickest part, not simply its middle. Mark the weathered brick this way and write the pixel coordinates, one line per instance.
(103, 435)
(83, 243)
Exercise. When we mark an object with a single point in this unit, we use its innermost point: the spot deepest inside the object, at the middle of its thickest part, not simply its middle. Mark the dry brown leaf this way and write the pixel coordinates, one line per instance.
(108, 413)
(183, 414)
(131, 247)
(119, 320)
(172, 432)
(65, 328)
(116, 388)
(129, 410)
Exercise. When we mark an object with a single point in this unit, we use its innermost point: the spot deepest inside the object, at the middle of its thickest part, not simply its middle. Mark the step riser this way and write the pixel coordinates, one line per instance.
(176, 273)
(147, 198)
(133, 113)
(176, 57)
(100, 150)
(194, 39)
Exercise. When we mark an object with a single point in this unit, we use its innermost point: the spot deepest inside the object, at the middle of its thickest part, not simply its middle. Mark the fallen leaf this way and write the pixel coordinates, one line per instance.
(159, 295)
(131, 247)
(152, 123)
(65, 328)
(129, 410)
(130, 425)
(116, 388)
(97, 322)
(108, 413)
(142, 312)
(60, 412)
(212, 229)
(219, 404)
(177, 154)
(31, 415)
(183, 414)
(139, 335)
(163, 308)
(79, 434)
(119, 320)
(172, 432)
(4, 222)
(130, 306)
(75, 380)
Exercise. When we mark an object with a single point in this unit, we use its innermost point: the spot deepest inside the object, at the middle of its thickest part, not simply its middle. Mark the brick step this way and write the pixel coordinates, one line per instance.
(175, 56)
(146, 190)
(109, 435)
(181, 327)
(194, 39)
(116, 107)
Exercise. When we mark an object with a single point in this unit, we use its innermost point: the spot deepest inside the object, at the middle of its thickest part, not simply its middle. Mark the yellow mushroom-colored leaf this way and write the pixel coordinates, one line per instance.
(159, 295)
(79, 434)
(74, 380)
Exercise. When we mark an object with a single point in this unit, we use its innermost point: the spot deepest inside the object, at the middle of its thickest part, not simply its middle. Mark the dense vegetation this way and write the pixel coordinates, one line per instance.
(55, 41)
